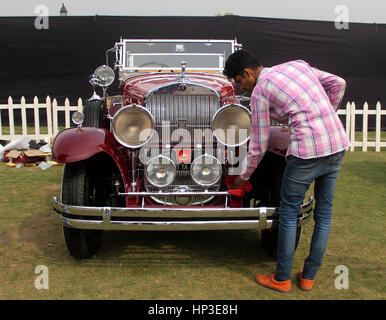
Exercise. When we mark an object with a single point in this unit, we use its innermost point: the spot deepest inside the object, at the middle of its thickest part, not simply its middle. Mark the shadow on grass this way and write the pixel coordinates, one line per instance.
(212, 248)
(236, 250)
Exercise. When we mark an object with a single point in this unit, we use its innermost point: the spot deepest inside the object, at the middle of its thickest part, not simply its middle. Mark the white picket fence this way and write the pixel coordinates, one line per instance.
(350, 112)
(52, 110)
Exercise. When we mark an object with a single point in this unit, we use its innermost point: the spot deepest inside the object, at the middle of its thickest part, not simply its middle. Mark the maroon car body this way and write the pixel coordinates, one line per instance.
(125, 171)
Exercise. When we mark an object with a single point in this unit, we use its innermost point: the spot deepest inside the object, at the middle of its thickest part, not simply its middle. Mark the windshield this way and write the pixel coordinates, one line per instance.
(168, 55)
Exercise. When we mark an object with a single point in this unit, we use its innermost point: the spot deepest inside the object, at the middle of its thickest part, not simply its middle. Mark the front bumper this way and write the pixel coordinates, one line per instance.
(172, 218)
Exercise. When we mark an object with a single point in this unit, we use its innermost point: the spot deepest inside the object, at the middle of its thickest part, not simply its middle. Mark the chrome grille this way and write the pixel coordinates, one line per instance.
(190, 112)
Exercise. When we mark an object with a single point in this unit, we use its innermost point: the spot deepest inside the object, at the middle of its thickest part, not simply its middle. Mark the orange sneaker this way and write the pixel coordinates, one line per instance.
(270, 282)
(305, 284)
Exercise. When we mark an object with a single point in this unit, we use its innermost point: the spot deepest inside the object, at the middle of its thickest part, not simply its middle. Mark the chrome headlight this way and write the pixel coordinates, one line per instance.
(231, 125)
(77, 118)
(160, 171)
(133, 126)
(106, 76)
(206, 170)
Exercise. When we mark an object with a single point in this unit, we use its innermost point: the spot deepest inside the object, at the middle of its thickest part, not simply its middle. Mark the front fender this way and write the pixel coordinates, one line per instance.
(77, 144)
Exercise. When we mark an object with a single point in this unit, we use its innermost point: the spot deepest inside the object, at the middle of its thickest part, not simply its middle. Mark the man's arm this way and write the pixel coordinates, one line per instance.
(333, 85)
(259, 135)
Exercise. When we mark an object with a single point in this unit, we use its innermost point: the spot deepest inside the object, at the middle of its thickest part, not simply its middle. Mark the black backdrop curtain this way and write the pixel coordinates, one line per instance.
(58, 61)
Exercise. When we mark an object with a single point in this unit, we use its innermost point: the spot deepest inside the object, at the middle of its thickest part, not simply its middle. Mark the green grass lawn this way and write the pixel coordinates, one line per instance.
(187, 265)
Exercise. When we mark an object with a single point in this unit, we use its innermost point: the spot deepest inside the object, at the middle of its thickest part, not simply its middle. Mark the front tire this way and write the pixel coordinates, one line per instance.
(79, 189)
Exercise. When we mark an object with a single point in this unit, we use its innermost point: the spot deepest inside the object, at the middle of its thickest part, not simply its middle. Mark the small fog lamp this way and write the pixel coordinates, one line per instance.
(160, 171)
(77, 118)
(206, 170)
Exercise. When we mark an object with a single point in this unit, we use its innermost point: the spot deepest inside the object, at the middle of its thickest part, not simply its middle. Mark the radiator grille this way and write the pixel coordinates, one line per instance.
(188, 112)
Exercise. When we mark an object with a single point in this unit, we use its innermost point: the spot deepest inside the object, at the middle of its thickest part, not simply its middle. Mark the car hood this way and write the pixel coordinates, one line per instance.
(137, 87)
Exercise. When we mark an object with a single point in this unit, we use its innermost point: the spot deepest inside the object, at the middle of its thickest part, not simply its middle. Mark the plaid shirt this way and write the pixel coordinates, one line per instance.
(304, 98)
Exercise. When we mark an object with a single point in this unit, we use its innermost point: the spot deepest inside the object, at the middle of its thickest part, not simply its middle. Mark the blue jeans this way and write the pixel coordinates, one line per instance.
(297, 178)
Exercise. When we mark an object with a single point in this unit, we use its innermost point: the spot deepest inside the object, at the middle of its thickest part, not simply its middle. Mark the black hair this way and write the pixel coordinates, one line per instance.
(238, 61)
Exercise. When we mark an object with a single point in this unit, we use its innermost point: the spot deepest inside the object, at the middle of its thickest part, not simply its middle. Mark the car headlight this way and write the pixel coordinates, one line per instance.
(77, 118)
(231, 125)
(133, 126)
(160, 171)
(206, 170)
(106, 75)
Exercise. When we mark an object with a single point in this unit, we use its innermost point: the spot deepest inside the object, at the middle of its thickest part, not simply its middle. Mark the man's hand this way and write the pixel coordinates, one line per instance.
(238, 183)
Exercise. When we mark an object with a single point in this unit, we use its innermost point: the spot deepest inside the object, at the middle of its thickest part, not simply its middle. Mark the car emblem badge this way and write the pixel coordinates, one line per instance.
(184, 155)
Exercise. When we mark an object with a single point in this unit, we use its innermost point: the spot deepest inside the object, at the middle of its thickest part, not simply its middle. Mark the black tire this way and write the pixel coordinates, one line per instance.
(78, 189)
(93, 114)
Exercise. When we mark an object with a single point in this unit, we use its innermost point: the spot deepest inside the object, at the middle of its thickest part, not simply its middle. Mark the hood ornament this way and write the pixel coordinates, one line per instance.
(183, 68)
(182, 76)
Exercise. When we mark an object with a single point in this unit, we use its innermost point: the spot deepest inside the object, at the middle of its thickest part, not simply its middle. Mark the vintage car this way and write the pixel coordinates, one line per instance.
(161, 155)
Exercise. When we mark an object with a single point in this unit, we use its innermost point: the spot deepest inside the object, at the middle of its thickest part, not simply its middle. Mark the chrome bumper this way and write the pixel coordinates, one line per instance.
(172, 219)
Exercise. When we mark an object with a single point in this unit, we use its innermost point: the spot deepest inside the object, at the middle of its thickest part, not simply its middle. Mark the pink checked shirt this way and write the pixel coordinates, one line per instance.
(304, 98)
